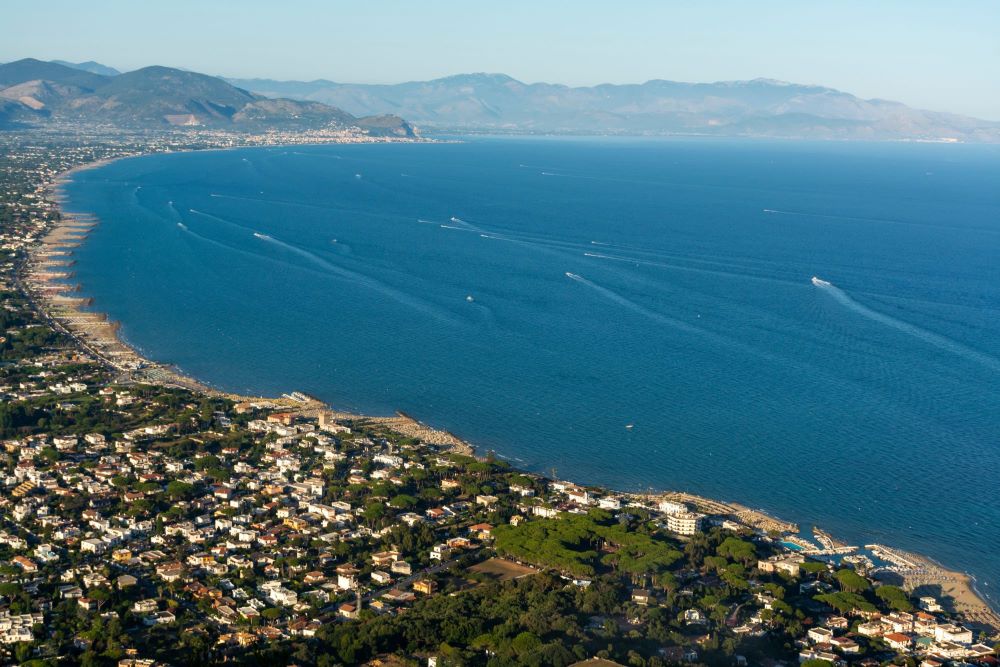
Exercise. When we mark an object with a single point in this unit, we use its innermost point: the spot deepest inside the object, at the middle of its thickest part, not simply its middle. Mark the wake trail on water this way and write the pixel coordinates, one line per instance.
(299, 204)
(566, 246)
(734, 264)
(663, 254)
(277, 202)
(465, 225)
(316, 260)
(218, 244)
(543, 248)
(830, 216)
(323, 266)
(937, 340)
(566, 249)
(341, 272)
(486, 316)
(882, 221)
(173, 209)
(724, 342)
(635, 307)
(537, 166)
(218, 219)
(363, 280)
(736, 275)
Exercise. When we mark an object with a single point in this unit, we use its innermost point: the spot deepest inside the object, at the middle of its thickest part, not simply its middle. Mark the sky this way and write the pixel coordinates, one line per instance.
(940, 55)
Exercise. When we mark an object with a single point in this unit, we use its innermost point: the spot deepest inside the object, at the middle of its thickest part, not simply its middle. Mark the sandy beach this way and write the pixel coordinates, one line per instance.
(920, 576)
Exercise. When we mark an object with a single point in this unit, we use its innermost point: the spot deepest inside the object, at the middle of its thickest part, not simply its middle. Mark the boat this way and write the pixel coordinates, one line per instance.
(819, 282)
(630, 426)
(261, 236)
(469, 298)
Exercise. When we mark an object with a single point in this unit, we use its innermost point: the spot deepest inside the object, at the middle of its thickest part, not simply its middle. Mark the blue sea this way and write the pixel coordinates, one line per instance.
(536, 296)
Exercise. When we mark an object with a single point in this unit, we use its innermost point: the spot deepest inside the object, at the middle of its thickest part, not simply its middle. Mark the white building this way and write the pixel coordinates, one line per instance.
(930, 604)
(670, 507)
(685, 523)
(93, 545)
(610, 503)
(820, 635)
(440, 552)
(953, 633)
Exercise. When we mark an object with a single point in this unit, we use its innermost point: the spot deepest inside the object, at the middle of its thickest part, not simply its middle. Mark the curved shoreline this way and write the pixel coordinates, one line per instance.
(102, 340)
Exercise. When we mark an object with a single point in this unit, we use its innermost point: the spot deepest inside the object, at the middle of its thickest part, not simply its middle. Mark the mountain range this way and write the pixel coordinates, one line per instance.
(34, 91)
(761, 107)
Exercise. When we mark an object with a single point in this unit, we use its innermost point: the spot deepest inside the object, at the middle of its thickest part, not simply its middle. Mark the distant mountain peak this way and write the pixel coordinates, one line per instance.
(90, 66)
(32, 90)
(32, 69)
(770, 82)
(478, 77)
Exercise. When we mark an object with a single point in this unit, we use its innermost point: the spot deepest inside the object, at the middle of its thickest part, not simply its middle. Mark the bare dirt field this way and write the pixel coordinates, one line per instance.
(503, 570)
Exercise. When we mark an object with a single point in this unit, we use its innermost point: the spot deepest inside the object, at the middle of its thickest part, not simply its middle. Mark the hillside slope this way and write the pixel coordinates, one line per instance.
(33, 91)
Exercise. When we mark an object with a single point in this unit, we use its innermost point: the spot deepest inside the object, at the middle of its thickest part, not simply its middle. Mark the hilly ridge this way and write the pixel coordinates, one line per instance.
(30, 69)
(760, 107)
(34, 91)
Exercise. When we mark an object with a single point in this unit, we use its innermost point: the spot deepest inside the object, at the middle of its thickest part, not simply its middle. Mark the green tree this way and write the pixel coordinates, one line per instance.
(525, 643)
(895, 597)
(177, 490)
(852, 582)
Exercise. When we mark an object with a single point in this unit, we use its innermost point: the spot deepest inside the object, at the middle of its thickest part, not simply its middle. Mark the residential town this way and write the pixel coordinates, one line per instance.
(146, 524)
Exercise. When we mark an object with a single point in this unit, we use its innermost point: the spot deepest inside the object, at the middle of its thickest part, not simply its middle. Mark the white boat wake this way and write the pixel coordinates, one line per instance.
(634, 307)
(937, 340)
(364, 280)
(690, 269)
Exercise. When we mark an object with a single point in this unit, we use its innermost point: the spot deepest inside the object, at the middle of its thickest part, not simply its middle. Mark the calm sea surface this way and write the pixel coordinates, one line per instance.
(537, 296)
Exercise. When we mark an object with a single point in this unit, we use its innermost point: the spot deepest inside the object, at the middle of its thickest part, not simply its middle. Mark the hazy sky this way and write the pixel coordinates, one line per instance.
(942, 54)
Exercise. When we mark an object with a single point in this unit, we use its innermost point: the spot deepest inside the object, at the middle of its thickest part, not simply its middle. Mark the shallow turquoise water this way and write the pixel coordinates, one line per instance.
(535, 296)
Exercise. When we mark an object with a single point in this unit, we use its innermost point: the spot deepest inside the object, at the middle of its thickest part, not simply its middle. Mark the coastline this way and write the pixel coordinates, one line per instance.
(45, 278)
(41, 276)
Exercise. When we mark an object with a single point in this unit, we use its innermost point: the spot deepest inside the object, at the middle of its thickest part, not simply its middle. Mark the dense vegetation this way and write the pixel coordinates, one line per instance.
(574, 544)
